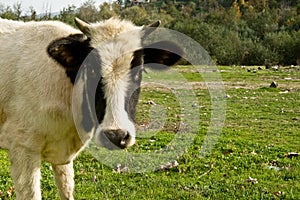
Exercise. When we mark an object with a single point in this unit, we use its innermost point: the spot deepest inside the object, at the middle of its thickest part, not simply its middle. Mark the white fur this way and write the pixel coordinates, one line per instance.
(116, 56)
(36, 120)
(8, 26)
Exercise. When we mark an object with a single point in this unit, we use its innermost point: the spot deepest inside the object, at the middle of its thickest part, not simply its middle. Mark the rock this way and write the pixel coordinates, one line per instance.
(251, 180)
(292, 154)
(121, 168)
(169, 165)
(279, 194)
(274, 84)
(276, 67)
(195, 105)
(284, 92)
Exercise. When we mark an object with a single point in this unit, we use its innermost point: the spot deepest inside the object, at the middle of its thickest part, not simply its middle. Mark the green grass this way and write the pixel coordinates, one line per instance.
(262, 126)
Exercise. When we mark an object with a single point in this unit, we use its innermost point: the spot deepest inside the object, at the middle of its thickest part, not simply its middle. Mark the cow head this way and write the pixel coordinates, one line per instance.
(108, 59)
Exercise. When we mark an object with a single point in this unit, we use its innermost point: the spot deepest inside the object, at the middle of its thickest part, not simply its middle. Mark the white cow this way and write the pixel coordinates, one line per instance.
(39, 62)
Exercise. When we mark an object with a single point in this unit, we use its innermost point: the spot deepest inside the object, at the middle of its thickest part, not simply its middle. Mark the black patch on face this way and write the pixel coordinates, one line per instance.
(94, 101)
(100, 101)
(77, 57)
(72, 75)
(74, 53)
(70, 52)
(159, 55)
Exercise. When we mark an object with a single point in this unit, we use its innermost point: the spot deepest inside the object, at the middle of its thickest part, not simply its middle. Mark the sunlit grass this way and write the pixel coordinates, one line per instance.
(249, 161)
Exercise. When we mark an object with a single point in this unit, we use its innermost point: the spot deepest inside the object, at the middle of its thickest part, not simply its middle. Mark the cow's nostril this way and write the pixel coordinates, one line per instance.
(126, 138)
(117, 137)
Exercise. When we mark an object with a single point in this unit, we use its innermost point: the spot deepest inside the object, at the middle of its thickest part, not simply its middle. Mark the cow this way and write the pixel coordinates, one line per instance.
(41, 64)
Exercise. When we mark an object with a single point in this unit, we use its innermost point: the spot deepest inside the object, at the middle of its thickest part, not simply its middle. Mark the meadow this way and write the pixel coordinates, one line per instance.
(255, 155)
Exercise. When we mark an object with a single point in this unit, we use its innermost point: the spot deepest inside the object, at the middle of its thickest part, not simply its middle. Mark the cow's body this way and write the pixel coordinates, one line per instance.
(36, 118)
(35, 86)
(35, 103)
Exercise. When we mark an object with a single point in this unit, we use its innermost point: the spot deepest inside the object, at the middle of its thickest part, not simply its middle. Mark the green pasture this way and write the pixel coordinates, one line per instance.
(254, 157)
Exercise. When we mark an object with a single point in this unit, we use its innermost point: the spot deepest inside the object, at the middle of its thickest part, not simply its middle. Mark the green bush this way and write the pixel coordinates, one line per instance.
(226, 46)
(233, 32)
(254, 53)
(283, 43)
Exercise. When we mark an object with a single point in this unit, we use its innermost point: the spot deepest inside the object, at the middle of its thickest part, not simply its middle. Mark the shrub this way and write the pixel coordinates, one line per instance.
(254, 53)
(284, 45)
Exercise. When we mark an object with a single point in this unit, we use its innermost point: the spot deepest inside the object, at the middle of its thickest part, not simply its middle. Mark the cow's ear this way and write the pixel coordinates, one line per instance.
(162, 54)
(70, 51)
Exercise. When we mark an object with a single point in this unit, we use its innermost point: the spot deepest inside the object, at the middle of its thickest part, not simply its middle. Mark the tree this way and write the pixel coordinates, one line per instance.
(255, 53)
(136, 14)
(32, 13)
(88, 11)
(17, 9)
(7, 13)
(105, 12)
(259, 5)
(116, 7)
(235, 10)
(248, 32)
(68, 14)
(283, 43)
(261, 22)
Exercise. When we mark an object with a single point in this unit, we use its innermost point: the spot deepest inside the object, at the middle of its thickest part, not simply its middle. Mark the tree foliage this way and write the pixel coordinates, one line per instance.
(240, 32)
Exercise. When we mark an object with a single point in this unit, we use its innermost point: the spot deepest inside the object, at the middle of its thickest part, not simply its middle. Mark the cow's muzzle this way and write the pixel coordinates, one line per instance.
(115, 139)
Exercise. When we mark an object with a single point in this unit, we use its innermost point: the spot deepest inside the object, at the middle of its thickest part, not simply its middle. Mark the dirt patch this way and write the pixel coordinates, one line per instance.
(169, 85)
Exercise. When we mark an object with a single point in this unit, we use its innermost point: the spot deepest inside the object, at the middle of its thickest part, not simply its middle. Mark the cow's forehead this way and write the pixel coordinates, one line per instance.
(115, 40)
(112, 28)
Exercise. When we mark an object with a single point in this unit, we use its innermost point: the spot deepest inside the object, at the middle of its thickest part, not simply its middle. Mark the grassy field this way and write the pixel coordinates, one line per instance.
(255, 157)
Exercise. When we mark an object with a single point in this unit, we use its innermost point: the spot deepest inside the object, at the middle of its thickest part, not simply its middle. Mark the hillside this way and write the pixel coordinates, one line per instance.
(234, 32)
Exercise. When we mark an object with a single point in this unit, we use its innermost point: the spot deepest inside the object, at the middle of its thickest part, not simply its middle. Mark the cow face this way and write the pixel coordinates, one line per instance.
(107, 60)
